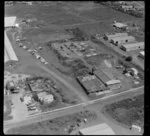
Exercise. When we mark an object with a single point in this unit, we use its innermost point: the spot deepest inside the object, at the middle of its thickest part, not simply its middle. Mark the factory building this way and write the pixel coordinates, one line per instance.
(107, 78)
(110, 36)
(122, 40)
(100, 129)
(91, 84)
(132, 46)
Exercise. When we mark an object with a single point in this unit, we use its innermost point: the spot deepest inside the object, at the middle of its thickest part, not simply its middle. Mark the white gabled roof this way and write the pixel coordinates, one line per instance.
(100, 129)
(10, 21)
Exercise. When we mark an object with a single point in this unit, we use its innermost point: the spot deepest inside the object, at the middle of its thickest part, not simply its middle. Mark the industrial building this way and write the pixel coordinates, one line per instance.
(132, 46)
(107, 78)
(110, 36)
(9, 53)
(91, 84)
(100, 129)
(122, 40)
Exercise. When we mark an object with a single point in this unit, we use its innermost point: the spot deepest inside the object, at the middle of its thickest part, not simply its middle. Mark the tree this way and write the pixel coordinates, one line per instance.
(129, 58)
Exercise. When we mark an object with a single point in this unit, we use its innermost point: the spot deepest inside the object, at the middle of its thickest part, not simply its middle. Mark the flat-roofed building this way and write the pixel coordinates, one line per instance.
(100, 129)
(91, 84)
(132, 46)
(107, 78)
(110, 36)
(10, 21)
(122, 40)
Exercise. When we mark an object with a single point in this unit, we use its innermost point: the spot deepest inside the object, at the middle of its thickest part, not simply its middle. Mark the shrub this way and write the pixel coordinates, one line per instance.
(129, 58)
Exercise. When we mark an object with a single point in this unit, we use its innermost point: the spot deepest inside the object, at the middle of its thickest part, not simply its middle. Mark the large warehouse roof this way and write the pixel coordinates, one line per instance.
(106, 77)
(116, 35)
(90, 83)
(123, 38)
(132, 45)
(10, 21)
(9, 51)
(101, 129)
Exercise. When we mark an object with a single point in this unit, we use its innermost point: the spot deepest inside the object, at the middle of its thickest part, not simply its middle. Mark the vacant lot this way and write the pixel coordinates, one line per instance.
(106, 14)
(127, 112)
(55, 126)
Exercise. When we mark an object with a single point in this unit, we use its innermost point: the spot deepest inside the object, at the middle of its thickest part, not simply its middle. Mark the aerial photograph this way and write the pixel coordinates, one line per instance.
(74, 68)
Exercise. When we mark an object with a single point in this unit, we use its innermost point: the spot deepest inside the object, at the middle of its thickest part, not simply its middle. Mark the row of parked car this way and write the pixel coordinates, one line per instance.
(32, 51)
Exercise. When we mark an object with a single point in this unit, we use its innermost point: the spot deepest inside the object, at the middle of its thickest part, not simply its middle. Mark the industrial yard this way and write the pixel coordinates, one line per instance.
(64, 57)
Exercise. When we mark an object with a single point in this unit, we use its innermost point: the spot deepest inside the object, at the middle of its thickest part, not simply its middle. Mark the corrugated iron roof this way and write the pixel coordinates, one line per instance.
(100, 129)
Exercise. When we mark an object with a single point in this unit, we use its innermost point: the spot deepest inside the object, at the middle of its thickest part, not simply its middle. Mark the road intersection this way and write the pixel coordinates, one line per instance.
(70, 109)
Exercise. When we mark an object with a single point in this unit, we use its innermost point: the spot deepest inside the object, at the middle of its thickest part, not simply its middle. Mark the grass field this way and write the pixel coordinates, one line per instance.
(128, 111)
(7, 112)
(55, 126)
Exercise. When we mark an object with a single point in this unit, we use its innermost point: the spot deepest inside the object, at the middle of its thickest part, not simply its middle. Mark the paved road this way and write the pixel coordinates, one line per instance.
(72, 109)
